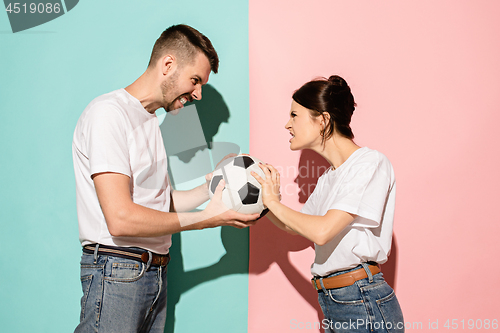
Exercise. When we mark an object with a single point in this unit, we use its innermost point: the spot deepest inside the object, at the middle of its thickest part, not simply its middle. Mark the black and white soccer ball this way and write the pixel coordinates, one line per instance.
(242, 191)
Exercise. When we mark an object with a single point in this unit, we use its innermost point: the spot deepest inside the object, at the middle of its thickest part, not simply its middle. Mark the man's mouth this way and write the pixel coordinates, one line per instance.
(183, 100)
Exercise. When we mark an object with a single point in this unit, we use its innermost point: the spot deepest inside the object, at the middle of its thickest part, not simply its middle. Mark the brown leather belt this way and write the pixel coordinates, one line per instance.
(345, 279)
(129, 253)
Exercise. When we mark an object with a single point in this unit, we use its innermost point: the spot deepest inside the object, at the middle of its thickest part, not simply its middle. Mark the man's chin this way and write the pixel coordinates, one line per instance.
(173, 111)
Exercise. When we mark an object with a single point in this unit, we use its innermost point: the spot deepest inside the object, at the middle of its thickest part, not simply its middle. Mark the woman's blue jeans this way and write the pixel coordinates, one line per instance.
(369, 305)
(121, 295)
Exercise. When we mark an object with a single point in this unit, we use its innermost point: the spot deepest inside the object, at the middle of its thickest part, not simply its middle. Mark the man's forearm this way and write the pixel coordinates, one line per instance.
(125, 218)
(185, 201)
(139, 221)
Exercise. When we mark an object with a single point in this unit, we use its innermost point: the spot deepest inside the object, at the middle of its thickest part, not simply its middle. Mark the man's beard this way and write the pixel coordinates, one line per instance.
(167, 90)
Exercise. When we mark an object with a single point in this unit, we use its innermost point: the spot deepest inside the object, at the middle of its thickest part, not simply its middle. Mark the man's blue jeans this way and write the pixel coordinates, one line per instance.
(369, 305)
(121, 295)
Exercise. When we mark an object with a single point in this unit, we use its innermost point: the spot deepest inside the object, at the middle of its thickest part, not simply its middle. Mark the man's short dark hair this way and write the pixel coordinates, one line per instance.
(184, 42)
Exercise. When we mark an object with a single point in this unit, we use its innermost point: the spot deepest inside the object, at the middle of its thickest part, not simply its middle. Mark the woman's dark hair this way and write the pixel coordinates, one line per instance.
(332, 96)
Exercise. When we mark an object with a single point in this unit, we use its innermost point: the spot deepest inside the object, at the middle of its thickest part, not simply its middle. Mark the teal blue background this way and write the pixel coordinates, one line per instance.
(48, 74)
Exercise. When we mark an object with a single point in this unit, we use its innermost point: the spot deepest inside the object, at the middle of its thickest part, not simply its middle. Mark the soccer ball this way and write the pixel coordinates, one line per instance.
(242, 192)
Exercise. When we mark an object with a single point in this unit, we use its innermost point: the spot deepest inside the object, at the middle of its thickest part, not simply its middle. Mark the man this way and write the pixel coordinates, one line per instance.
(123, 193)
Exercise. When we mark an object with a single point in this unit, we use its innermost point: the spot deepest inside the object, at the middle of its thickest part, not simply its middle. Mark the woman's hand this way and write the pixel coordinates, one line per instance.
(270, 185)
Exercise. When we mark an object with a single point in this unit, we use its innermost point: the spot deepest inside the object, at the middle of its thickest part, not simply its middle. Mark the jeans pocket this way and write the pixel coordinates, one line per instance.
(347, 295)
(125, 272)
(86, 282)
(391, 312)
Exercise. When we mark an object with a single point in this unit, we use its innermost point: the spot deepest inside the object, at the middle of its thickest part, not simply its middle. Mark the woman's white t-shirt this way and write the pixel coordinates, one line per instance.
(364, 185)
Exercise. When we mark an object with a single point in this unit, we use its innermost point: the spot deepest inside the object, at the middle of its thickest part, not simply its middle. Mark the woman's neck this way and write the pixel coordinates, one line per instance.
(337, 150)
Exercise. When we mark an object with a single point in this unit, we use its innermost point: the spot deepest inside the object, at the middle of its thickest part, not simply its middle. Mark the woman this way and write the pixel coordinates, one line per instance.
(349, 215)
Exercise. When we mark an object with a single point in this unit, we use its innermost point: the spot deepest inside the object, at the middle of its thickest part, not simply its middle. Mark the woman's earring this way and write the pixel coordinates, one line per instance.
(322, 132)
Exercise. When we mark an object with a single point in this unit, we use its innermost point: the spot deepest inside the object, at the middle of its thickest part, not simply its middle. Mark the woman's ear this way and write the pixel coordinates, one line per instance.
(325, 121)
(326, 117)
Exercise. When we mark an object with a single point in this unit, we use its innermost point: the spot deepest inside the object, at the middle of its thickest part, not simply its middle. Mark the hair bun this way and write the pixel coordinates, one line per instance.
(337, 81)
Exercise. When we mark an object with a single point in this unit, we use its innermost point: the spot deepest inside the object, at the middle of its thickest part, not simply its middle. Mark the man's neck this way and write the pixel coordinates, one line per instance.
(144, 90)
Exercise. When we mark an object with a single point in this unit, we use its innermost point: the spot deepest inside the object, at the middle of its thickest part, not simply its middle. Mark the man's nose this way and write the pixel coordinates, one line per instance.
(197, 93)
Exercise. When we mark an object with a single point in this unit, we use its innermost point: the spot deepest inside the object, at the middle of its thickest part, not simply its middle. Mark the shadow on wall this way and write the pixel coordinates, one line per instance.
(274, 245)
(180, 281)
(187, 138)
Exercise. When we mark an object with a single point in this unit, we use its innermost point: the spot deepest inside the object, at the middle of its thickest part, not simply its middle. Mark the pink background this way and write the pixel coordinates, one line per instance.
(426, 78)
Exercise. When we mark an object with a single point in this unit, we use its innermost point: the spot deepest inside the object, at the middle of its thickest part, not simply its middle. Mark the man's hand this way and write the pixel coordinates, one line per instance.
(217, 214)
(185, 201)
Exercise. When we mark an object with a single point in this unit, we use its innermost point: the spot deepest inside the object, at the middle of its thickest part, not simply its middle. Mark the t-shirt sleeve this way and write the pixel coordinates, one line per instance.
(106, 140)
(363, 192)
(308, 207)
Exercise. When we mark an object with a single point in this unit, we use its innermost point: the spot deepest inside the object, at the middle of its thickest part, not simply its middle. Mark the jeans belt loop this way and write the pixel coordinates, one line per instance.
(368, 272)
(150, 258)
(322, 285)
(96, 252)
(314, 282)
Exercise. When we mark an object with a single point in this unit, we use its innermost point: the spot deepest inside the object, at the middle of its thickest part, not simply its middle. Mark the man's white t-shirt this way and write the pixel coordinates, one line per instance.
(364, 185)
(116, 134)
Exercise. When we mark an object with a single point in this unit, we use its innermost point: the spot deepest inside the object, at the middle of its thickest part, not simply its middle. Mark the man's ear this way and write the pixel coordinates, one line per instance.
(167, 63)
